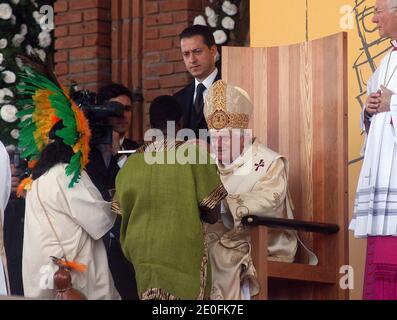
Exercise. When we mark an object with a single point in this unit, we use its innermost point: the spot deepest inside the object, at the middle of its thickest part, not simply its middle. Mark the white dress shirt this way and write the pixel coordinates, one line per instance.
(207, 83)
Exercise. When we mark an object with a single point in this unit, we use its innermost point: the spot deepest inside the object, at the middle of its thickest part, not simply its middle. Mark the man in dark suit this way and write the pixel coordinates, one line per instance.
(199, 51)
(103, 167)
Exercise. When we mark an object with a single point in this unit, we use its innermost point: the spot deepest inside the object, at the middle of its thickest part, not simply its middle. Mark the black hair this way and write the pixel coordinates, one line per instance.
(53, 154)
(112, 91)
(162, 109)
(199, 30)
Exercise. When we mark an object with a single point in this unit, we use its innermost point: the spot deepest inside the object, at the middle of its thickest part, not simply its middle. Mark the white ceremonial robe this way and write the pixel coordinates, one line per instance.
(5, 190)
(80, 217)
(375, 208)
(256, 185)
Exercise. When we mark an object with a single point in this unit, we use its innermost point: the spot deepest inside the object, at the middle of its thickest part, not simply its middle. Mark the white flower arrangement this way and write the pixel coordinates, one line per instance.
(40, 53)
(17, 40)
(228, 23)
(8, 113)
(200, 20)
(4, 93)
(15, 133)
(229, 8)
(22, 34)
(220, 37)
(3, 43)
(221, 16)
(44, 39)
(5, 11)
(9, 77)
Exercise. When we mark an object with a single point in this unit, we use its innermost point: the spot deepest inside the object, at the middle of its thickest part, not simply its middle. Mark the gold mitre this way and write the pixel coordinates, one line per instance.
(227, 106)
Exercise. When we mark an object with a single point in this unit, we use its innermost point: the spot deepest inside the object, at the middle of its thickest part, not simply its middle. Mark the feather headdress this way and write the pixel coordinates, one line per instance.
(44, 103)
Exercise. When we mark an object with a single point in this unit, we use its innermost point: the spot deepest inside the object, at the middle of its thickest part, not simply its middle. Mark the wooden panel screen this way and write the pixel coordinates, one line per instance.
(300, 110)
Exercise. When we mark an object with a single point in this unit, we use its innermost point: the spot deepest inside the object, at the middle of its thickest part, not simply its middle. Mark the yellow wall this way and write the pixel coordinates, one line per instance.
(275, 23)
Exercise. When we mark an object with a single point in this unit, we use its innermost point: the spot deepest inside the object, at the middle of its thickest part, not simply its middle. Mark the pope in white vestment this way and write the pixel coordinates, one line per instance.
(255, 178)
(5, 190)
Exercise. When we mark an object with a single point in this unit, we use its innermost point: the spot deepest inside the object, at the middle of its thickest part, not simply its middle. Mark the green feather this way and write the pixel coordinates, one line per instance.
(74, 168)
(25, 112)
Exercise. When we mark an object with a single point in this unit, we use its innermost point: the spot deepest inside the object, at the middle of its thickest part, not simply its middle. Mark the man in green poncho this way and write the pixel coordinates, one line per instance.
(162, 193)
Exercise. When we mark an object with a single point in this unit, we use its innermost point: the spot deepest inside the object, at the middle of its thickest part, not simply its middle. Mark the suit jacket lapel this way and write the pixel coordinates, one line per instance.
(187, 106)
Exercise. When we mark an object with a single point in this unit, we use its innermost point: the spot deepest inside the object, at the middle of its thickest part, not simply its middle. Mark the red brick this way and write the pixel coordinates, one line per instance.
(174, 80)
(150, 95)
(171, 31)
(96, 39)
(151, 7)
(157, 45)
(61, 31)
(84, 53)
(96, 14)
(60, 6)
(152, 58)
(61, 56)
(173, 55)
(64, 80)
(68, 18)
(102, 65)
(115, 11)
(185, 16)
(174, 5)
(69, 42)
(160, 19)
(76, 67)
(150, 84)
(61, 68)
(87, 4)
(176, 42)
(159, 70)
(89, 27)
(90, 77)
(137, 9)
(151, 34)
(179, 67)
(125, 9)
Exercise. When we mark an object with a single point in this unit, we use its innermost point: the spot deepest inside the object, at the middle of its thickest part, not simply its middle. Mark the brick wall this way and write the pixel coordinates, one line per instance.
(82, 31)
(133, 42)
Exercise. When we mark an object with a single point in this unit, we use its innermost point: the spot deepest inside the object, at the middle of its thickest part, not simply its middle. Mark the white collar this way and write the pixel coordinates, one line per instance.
(121, 141)
(207, 82)
(394, 43)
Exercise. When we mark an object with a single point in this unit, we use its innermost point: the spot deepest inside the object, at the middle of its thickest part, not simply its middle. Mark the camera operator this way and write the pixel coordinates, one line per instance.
(103, 167)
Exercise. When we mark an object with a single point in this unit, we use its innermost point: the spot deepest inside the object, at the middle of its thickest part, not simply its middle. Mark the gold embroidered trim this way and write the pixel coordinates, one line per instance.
(163, 143)
(220, 118)
(203, 271)
(143, 147)
(157, 294)
(116, 208)
(213, 199)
